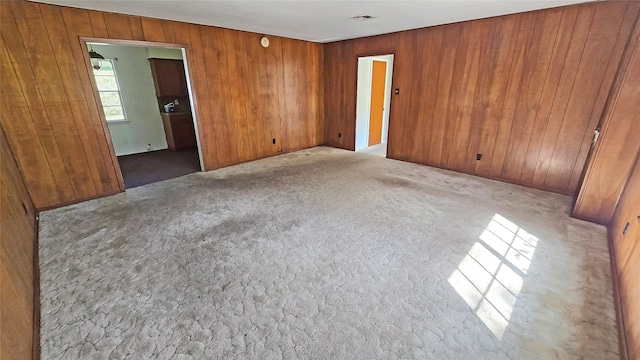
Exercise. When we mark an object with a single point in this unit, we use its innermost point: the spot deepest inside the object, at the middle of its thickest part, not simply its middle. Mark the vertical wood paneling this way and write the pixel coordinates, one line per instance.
(18, 339)
(562, 96)
(339, 110)
(463, 34)
(442, 97)
(537, 61)
(550, 89)
(505, 43)
(153, 30)
(16, 63)
(514, 81)
(98, 24)
(28, 151)
(135, 24)
(49, 86)
(241, 105)
(462, 121)
(224, 128)
(489, 38)
(79, 22)
(611, 71)
(596, 56)
(432, 72)
(75, 95)
(201, 87)
(626, 249)
(245, 95)
(118, 26)
(615, 152)
(525, 90)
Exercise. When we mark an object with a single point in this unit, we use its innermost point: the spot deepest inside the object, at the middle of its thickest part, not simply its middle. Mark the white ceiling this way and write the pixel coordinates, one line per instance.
(319, 21)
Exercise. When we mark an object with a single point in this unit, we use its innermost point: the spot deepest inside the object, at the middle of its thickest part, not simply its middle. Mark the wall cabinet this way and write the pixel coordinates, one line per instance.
(169, 77)
(178, 127)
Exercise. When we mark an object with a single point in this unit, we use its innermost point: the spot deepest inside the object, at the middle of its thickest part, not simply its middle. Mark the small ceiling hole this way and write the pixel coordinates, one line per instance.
(363, 17)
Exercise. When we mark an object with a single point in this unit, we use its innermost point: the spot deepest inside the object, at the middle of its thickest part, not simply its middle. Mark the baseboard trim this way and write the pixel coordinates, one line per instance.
(76, 201)
(622, 335)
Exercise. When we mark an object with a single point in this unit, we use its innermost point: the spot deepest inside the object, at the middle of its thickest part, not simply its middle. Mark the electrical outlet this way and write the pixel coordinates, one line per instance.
(339, 135)
(273, 141)
(478, 157)
(176, 102)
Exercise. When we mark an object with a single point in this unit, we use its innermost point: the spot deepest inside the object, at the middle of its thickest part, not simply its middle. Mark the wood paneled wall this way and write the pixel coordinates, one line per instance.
(614, 153)
(245, 95)
(18, 297)
(525, 90)
(626, 249)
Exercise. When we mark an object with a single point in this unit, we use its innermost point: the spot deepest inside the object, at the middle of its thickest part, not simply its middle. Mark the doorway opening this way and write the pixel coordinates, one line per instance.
(373, 101)
(145, 97)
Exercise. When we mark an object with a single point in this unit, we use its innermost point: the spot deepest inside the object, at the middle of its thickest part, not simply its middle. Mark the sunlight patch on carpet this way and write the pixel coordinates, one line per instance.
(490, 276)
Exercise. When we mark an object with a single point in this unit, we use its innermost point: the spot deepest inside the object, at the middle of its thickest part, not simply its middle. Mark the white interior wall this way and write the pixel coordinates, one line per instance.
(164, 53)
(363, 99)
(144, 125)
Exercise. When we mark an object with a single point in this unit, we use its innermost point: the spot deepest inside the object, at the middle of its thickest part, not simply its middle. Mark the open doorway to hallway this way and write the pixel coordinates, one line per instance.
(145, 98)
(373, 103)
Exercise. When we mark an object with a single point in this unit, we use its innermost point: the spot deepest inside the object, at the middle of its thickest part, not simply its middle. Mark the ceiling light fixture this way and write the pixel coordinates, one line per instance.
(363, 17)
(96, 59)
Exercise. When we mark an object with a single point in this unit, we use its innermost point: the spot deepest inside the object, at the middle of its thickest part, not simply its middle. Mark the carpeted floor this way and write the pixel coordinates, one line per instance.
(149, 167)
(325, 254)
(380, 150)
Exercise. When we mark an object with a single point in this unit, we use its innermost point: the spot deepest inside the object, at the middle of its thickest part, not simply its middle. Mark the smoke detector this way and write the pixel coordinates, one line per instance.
(363, 17)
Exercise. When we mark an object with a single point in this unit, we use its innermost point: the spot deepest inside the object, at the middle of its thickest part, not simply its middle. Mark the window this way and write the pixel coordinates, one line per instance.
(109, 90)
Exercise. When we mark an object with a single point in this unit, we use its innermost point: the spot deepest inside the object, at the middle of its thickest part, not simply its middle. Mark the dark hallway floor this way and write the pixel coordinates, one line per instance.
(145, 168)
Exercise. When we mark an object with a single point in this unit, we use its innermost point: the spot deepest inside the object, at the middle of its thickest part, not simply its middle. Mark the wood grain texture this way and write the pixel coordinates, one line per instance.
(626, 249)
(614, 153)
(525, 90)
(169, 77)
(178, 129)
(245, 95)
(18, 296)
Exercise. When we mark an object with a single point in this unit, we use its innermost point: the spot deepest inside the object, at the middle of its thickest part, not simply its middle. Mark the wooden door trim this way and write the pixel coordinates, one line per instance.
(144, 43)
(94, 87)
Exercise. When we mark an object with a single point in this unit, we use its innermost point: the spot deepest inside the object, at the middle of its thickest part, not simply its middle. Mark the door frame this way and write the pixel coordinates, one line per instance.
(103, 120)
(387, 84)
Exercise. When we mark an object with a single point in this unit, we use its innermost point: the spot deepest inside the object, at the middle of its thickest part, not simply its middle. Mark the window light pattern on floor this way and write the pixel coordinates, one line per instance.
(491, 275)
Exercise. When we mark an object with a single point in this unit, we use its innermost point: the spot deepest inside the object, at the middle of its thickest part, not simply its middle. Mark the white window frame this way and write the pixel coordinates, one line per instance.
(118, 91)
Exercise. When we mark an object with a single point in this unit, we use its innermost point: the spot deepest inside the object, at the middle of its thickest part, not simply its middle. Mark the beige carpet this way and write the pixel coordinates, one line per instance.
(325, 254)
(380, 150)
